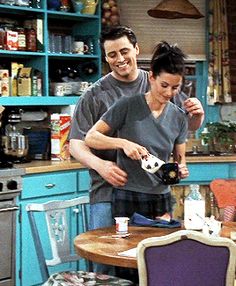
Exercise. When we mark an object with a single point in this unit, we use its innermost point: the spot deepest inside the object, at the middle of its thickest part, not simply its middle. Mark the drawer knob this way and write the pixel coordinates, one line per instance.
(50, 186)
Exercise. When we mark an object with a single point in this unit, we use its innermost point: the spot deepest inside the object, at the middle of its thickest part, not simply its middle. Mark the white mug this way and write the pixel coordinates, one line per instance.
(80, 47)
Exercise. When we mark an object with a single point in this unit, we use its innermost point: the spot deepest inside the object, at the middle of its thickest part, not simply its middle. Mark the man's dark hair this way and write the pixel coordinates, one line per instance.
(117, 32)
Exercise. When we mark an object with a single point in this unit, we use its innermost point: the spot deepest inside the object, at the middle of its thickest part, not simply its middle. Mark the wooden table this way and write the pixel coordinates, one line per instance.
(101, 246)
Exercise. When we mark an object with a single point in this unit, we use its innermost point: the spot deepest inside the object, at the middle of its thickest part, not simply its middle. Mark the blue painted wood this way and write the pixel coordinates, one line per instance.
(37, 100)
(84, 180)
(204, 173)
(49, 184)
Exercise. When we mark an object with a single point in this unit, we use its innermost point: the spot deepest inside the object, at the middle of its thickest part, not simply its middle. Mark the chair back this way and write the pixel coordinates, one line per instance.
(186, 258)
(58, 230)
(224, 191)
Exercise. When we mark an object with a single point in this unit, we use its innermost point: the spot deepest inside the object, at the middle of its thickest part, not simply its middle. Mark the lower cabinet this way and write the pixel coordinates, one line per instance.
(39, 188)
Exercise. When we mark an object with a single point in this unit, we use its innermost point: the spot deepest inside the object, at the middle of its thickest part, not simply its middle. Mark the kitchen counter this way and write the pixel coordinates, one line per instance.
(41, 166)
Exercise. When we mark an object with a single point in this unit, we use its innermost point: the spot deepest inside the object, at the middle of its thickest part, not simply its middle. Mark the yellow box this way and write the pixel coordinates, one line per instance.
(24, 82)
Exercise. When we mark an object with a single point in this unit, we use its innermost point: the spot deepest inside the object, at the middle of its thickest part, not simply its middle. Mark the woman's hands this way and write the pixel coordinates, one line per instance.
(183, 171)
(133, 150)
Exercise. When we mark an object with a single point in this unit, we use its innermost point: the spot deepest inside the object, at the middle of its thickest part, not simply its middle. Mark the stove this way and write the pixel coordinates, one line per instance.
(10, 188)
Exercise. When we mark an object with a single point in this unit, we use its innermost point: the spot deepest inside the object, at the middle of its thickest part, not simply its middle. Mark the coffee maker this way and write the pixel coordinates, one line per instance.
(14, 145)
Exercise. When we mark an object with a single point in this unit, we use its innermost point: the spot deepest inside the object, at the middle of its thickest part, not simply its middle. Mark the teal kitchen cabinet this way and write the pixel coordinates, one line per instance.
(82, 27)
(203, 173)
(39, 188)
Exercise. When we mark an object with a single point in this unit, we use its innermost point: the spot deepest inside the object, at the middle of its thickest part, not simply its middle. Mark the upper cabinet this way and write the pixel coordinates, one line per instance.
(56, 56)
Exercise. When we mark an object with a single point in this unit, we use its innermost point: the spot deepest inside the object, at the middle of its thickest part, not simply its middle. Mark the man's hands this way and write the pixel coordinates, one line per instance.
(112, 173)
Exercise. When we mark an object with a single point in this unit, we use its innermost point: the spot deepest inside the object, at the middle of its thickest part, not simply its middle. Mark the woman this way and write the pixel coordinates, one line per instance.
(146, 123)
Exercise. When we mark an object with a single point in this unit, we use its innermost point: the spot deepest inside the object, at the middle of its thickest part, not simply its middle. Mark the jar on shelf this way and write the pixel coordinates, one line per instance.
(65, 5)
(31, 38)
(11, 37)
(8, 2)
(2, 38)
(23, 3)
(21, 39)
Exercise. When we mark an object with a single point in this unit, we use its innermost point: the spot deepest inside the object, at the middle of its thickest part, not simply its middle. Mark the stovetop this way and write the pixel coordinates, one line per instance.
(6, 165)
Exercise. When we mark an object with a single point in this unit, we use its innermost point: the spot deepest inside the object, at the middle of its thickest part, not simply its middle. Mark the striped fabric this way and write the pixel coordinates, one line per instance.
(229, 213)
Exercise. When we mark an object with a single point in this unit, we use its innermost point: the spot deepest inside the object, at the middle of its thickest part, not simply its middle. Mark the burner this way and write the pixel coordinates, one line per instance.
(5, 165)
(21, 160)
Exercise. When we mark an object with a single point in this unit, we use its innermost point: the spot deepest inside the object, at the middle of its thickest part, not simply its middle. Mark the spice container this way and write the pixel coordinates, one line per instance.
(11, 38)
(23, 3)
(31, 38)
(21, 39)
(2, 38)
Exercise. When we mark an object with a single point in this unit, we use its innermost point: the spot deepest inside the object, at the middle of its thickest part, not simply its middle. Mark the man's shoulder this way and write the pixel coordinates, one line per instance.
(97, 88)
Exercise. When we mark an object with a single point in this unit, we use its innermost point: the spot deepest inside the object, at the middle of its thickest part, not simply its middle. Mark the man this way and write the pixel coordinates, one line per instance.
(125, 79)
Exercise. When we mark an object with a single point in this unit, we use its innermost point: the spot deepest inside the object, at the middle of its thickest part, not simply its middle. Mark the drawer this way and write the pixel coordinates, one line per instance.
(206, 172)
(49, 184)
(84, 180)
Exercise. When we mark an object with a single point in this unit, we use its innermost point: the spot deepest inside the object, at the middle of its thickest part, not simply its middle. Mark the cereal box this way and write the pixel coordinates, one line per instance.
(60, 126)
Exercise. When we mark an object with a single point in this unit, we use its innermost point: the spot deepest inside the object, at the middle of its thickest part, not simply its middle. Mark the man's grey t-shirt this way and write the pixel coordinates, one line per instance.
(91, 106)
(133, 120)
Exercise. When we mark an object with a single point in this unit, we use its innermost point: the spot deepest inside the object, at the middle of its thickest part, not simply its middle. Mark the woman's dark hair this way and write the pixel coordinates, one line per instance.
(117, 32)
(167, 58)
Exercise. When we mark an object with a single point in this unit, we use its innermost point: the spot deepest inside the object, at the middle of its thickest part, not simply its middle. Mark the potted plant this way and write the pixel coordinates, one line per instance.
(222, 136)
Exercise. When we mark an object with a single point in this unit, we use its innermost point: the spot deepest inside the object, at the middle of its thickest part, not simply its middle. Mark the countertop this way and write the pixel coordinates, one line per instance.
(41, 166)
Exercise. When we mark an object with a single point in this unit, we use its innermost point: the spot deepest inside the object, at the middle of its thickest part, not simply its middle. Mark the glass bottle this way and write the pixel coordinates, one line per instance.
(205, 140)
(2, 38)
(31, 38)
(194, 209)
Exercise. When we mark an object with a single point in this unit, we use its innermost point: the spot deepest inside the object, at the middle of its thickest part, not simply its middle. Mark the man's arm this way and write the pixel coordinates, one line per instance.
(196, 113)
(108, 170)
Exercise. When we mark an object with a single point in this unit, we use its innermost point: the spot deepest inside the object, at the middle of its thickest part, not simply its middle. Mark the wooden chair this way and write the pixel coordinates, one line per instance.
(224, 191)
(57, 215)
(186, 258)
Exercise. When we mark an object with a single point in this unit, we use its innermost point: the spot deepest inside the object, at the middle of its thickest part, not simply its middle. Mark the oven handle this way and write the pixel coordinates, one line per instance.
(9, 209)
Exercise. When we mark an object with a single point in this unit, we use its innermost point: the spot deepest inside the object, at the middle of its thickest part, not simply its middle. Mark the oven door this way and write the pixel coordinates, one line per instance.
(7, 242)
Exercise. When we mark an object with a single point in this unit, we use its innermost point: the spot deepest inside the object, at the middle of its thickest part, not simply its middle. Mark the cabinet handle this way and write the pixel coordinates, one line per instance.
(76, 210)
(8, 208)
(50, 186)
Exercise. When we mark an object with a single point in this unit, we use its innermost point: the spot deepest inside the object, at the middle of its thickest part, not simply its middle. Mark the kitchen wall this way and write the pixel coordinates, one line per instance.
(190, 34)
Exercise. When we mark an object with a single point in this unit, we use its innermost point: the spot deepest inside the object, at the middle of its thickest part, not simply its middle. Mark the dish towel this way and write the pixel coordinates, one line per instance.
(140, 220)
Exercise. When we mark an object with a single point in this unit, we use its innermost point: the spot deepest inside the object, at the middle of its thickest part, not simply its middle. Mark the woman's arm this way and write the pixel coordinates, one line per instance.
(96, 138)
(196, 113)
(179, 157)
